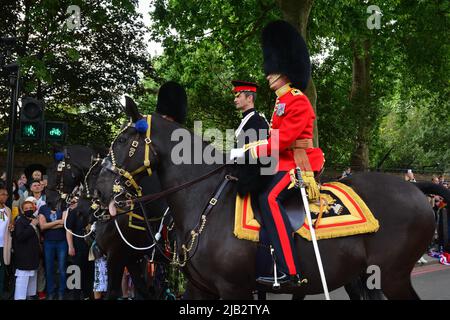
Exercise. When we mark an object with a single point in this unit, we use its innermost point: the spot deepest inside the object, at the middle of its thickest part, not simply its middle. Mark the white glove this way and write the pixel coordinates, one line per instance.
(236, 153)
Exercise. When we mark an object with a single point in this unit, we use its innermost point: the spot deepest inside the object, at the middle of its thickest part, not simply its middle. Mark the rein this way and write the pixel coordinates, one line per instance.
(155, 196)
(197, 230)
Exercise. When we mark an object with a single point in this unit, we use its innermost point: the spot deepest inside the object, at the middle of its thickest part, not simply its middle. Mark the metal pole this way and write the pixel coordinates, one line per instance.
(14, 83)
(313, 235)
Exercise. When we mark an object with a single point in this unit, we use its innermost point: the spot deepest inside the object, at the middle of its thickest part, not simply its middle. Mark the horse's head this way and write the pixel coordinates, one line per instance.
(67, 172)
(90, 192)
(132, 156)
(143, 147)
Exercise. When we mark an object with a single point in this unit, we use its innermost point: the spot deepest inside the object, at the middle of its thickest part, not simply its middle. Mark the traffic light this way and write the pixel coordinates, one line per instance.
(55, 131)
(31, 119)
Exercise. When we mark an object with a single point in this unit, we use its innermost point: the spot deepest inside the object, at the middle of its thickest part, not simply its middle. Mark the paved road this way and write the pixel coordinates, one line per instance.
(431, 282)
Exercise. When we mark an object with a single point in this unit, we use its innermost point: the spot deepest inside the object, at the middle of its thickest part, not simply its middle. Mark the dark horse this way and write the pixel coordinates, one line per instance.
(119, 255)
(221, 266)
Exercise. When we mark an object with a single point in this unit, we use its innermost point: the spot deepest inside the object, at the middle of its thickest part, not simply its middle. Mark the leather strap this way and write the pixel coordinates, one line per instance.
(302, 144)
(213, 201)
(155, 196)
(301, 158)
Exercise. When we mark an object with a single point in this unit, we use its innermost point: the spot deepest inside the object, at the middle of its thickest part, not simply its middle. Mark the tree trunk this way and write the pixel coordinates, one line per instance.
(296, 12)
(361, 104)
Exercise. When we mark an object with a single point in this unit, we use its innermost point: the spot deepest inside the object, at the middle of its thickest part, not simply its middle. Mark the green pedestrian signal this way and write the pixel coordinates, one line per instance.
(55, 131)
(31, 119)
(30, 130)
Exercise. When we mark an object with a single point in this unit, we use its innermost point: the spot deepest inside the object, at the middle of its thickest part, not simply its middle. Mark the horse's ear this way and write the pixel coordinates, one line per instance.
(131, 109)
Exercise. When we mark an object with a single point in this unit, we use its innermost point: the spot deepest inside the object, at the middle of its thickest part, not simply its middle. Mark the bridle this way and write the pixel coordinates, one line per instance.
(83, 185)
(140, 200)
(130, 177)
(61, 168)
(97, 160)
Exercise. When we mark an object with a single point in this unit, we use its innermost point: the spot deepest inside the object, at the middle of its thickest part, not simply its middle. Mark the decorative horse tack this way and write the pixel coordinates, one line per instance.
(130, 181)
(117, 188)
(133, 148)
(94, 206)
(61, 166)
(129, 176)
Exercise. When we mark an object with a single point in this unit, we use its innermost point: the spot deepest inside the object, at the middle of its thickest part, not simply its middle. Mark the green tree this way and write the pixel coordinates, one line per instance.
(207, 45)
(80, 72)
(381, 63)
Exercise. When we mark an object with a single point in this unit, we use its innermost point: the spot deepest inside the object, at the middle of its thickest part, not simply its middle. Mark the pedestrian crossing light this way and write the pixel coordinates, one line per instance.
(30, 130)
(55, 131)
(31, 119)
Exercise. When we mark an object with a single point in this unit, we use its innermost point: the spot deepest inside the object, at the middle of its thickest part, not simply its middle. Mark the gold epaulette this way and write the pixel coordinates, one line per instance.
(296, 92)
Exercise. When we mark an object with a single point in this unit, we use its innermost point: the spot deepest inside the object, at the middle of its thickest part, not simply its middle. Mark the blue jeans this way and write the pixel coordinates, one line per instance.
(58, 249)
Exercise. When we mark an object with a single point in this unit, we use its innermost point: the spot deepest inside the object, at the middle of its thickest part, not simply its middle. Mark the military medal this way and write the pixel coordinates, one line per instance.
(280, 109)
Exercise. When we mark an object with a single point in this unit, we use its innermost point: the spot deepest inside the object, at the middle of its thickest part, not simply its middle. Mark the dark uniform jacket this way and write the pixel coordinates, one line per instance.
(250, 179)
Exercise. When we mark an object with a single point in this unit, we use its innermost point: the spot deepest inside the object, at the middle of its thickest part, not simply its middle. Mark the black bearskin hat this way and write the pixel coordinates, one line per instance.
(285, 52)
(172, 101)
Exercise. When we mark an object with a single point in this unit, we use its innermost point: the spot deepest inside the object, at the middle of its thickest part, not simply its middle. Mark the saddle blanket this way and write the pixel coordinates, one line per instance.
(344, 213)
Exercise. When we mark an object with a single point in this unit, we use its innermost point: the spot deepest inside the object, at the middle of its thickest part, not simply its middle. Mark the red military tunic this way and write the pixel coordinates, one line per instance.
(293, 117)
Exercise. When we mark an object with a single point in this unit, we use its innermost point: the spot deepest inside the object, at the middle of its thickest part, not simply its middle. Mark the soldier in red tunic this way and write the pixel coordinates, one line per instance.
(287, 67)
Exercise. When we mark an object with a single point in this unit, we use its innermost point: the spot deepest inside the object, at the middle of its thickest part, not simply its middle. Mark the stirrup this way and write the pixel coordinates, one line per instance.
(283, 280)
(273, 281)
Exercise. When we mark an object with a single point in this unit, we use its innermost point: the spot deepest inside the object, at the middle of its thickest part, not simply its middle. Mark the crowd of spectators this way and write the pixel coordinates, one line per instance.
(37, 246)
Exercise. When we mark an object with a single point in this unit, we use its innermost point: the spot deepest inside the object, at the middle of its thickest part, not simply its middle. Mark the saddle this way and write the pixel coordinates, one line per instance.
(338, 212)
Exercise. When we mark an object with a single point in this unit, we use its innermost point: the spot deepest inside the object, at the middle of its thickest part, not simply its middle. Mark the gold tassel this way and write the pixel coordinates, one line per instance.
(311, 185)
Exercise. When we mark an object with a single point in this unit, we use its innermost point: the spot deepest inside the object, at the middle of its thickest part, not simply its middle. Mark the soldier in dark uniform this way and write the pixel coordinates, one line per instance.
(253, 127)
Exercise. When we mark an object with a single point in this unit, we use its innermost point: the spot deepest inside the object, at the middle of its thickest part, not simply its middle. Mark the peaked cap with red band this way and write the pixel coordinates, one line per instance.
(244, 86)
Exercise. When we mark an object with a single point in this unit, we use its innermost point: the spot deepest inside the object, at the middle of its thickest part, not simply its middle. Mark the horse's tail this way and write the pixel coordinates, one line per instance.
(433, 188)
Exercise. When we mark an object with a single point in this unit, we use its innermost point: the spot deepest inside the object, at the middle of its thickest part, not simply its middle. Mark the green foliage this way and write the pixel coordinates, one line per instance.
(80, 73)
(209, 43)
(206, 46)
(407, 63)
(414, 134)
